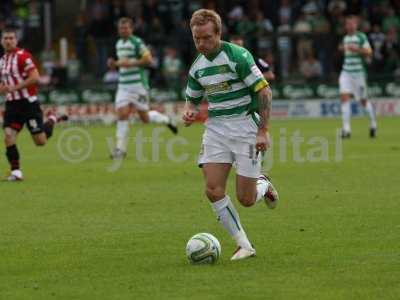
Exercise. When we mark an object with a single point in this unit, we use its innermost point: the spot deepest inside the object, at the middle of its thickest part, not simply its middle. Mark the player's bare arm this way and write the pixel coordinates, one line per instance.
(33, 78)
(360, 50)
(264, 98)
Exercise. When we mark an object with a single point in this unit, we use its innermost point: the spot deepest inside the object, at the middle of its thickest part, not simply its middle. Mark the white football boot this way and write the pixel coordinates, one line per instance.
(271, 197)
(16, 175)
(242, 253)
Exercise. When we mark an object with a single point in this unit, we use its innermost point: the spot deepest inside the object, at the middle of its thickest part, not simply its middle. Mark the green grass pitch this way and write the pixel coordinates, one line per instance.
(90, 230)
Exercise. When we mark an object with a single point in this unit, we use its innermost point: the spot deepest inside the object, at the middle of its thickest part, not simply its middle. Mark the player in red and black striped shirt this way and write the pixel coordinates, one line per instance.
(19, 78)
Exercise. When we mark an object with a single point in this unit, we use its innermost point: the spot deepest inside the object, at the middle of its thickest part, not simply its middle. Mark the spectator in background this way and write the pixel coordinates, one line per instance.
(100, 29)
(172, 68)
(311, 68)
(323, 41)
(354, 7)
(34, 36)
(157, 36)
(141, 29)
(110, 78)
(117, 10)
(284, 46)
(391, 20)
(391, 51)
(376, 11)
(302, 28)
(182, 40)
(80, 40)
(264, 32)
(155, 75)
(377, 39)
(285, 11)
(234, 16)
(247, 28)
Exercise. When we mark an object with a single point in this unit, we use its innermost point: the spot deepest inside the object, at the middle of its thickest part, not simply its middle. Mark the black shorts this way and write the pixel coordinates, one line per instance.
(20, 112)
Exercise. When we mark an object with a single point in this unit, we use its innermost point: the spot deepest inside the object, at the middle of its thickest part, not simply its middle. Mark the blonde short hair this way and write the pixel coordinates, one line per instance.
(203, 16)
(125, 20)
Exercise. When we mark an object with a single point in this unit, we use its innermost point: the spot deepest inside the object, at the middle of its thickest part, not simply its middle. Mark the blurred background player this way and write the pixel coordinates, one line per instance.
(239, 104)
(261, 63)
(133, 87)
(352, 80)
(19, 78)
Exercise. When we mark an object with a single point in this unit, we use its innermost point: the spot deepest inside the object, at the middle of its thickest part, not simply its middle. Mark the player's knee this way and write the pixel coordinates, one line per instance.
(9, 139)
(344, 98)
(145, 119)
(215, 193)
(246, 199)
(123, 117)
(40, 142)
(364, 102)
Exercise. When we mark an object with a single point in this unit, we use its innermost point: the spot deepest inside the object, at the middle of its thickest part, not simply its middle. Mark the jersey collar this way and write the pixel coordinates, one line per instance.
(213, 55)
(16, 49)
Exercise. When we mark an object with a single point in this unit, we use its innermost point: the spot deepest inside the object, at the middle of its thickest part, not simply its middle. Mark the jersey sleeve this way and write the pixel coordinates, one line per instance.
(25, 62)
(365, 43)
(142, 49)
(248, 71)
(194, 91)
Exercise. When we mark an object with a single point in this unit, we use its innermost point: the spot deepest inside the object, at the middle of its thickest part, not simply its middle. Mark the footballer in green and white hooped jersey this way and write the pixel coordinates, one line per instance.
(239, 103)
(133, 86)
(352, 80)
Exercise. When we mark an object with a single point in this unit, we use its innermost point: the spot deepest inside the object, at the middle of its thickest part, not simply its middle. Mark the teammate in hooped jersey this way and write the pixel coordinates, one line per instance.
(19, 77)
(133, 87)
(352, 80)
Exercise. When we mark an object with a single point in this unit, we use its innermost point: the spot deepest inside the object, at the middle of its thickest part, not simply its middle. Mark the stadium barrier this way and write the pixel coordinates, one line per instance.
(280, 92)
(290, 101)
(88, 113)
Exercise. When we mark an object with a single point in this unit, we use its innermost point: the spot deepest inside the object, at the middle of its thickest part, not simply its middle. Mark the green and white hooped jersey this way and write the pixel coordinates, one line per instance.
(132, 77)
(355, 63)
(229, 80)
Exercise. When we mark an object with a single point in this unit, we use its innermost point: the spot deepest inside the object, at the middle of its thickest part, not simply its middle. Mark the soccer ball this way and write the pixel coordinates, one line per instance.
(203, 248)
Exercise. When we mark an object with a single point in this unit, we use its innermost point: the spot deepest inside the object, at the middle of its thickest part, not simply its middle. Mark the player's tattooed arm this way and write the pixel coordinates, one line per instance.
(264, 98)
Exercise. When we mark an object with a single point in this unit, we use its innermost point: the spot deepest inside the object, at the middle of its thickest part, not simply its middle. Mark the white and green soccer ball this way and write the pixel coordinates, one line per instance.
(203, 248)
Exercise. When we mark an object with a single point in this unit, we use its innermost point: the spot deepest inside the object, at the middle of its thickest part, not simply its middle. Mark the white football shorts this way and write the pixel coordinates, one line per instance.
(138, 97)
(354, 84)
(242, 155)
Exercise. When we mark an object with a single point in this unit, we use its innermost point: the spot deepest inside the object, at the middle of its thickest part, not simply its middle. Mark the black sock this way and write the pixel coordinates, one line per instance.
(48, 128)
(13, 157)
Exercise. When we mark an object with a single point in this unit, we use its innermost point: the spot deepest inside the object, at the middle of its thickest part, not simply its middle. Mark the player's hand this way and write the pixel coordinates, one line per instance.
(189, 116)
(353, 48)
(262, 141)
(125, 62)
(111, 63)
